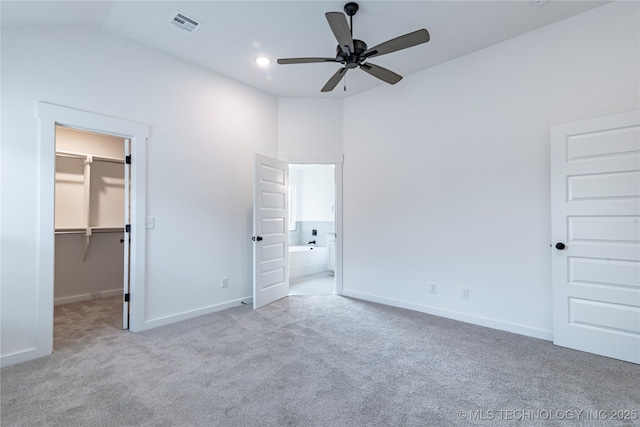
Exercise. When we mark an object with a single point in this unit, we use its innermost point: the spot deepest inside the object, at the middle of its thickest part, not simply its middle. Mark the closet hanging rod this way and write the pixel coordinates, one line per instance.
(94, 230)
(107, 229)
(74, 155)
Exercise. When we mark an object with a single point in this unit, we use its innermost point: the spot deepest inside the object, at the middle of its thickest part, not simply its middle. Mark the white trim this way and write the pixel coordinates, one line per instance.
(51, 115)
(167, 320)
(595, 124)
(21, 356)
(456, 315)
(336, 159)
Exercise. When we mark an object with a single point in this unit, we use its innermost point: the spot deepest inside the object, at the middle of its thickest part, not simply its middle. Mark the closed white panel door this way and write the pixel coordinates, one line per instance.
(595, 209)
(270, 231)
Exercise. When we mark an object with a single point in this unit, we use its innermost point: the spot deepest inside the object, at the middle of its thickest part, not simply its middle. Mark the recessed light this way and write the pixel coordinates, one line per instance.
(263, 61)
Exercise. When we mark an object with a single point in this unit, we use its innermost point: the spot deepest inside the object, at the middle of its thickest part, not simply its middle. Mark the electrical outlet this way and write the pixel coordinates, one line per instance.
(432, 287)
(224, 282)
(465, 293)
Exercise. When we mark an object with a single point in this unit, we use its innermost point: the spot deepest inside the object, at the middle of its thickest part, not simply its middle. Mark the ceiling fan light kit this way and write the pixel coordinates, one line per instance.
(354, 53)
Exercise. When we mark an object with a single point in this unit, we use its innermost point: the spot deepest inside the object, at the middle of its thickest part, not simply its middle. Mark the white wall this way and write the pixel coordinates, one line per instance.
(457, 190)
(204, 131)
(309, 125)
(315, 192)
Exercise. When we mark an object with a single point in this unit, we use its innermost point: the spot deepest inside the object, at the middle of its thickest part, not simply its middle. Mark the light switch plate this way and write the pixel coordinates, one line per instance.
(150, 222)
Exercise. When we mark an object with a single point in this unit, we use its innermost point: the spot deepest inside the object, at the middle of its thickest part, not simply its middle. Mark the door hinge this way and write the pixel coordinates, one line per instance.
(127, 297)
(127, 159)
(127, 228)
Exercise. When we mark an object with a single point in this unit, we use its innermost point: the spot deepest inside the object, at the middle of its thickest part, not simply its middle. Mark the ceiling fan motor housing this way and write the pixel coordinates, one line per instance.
(351, 61)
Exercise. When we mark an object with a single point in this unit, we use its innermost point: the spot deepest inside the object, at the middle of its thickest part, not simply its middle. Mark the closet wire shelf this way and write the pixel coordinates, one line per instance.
(74, 155)
(88, 231)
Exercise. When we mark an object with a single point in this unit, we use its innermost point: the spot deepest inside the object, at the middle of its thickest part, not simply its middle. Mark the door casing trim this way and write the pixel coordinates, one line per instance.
(337, 160)
(49, 116)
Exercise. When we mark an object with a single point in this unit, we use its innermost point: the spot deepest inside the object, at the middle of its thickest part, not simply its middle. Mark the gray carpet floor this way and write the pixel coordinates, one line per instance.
(309, 361)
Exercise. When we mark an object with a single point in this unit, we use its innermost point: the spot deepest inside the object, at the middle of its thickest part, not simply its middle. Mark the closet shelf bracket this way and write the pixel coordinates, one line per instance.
(87, 241)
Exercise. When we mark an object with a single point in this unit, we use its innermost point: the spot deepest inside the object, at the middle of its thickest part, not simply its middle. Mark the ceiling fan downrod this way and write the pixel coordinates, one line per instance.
(350, 9)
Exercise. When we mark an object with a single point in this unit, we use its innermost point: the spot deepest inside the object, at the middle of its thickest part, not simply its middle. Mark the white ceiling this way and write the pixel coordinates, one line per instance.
(234, 33)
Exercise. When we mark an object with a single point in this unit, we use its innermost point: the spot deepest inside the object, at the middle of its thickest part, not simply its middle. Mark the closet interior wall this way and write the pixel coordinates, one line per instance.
(89, 215)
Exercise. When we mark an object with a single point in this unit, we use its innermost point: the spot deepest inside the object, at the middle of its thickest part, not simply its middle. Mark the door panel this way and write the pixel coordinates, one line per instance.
(604, 316)
(272, 227)
(604, 229)
(610, 142)
(270, 231)
(607, 186)
(595, 203)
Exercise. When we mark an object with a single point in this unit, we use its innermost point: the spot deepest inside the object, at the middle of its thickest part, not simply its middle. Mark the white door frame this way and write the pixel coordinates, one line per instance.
(126, 302)
(51, 115)
(337, 160)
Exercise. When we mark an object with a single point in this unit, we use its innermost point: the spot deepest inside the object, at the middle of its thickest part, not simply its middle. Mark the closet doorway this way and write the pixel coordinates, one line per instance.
(50, 116)
(92, 209)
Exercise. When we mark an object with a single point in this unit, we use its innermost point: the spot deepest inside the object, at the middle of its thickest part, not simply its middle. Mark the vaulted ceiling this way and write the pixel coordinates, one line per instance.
(233, 34)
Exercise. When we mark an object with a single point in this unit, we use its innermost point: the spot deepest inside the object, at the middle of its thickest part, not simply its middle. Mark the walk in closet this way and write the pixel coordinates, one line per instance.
(90, 211)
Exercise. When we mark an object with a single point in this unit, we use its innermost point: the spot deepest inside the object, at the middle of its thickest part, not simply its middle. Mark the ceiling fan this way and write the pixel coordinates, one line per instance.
(353, 53)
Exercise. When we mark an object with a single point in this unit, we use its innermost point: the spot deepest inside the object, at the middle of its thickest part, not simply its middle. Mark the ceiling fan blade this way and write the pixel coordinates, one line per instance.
(304, 60)
(334, 80)
(381, 73)
(340, 27)
(399, 43)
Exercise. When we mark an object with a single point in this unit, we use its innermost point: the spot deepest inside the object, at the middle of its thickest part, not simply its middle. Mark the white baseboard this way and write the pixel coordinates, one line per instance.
(455, 315)
(21, 356)
(161, 321)
(87, 297)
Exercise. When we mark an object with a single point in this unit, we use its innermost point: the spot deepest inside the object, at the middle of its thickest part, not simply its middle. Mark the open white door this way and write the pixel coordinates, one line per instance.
(126, 287)
(270, 230)
(595, 209)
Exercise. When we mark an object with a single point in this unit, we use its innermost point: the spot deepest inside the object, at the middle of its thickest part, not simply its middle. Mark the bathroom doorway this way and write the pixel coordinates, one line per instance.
(312, 229)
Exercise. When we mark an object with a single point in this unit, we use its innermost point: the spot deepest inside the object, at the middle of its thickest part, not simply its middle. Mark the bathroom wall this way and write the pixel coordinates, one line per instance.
(313, 201)
(303, 232)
